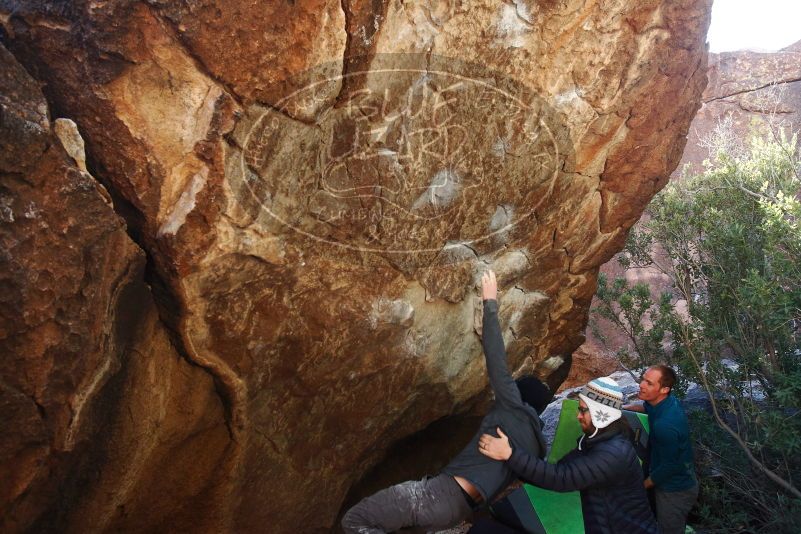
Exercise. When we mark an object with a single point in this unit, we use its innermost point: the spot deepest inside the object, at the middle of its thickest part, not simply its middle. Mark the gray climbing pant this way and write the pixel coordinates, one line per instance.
(433, 503)
(672, 508)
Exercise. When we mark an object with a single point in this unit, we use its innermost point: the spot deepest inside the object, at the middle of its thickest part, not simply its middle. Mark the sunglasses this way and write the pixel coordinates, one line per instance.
(582, 410)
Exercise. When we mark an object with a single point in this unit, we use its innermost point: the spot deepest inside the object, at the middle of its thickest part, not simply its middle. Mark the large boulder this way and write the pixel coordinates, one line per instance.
(96, 405)
(318, 184)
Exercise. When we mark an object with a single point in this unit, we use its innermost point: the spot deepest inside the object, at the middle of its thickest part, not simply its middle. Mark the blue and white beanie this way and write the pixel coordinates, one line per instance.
(604, 398)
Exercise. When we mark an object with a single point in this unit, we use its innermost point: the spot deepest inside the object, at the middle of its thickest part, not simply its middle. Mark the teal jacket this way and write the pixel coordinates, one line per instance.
(671, 451)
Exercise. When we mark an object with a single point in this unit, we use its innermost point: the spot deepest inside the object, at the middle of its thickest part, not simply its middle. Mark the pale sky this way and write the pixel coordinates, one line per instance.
(765, 25)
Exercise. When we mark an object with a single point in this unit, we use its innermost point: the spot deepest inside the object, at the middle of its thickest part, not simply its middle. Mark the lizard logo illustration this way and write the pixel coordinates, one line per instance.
(405, 158)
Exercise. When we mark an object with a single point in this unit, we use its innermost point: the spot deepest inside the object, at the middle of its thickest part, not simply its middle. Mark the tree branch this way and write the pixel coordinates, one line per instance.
(787, 486)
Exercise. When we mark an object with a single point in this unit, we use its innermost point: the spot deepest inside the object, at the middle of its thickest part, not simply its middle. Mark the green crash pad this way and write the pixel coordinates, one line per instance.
(541, 511)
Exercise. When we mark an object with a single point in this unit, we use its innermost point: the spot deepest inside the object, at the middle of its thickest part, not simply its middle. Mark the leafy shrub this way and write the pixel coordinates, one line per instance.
(728, 240)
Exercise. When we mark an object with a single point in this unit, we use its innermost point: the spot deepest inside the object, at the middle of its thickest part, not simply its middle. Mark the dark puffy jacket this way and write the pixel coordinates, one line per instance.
(609, 476)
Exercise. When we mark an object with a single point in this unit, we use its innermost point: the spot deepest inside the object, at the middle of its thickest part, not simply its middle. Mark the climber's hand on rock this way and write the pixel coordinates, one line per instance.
(489, 286)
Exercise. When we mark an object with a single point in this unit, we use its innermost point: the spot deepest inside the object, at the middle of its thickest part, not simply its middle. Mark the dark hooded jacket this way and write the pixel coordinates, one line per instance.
(517, 419)
(608, 474)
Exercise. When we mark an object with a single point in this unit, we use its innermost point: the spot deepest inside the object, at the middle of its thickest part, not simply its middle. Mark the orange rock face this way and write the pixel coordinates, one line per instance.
(97, 406)
(318, 186)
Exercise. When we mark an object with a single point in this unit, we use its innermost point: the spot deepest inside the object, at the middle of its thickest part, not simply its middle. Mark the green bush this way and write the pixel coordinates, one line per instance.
(728, 240)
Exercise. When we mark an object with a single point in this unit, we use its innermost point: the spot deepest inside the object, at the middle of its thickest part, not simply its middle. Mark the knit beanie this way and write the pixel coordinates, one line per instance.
(604, 398)
(534, 392)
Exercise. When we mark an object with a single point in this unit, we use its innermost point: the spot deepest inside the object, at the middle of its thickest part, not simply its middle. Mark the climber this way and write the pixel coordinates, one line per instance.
(471, 479)
(604, 467)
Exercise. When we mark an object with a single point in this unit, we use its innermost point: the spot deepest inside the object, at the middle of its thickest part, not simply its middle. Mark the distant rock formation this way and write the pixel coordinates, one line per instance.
(312, 189)
(746, 90)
